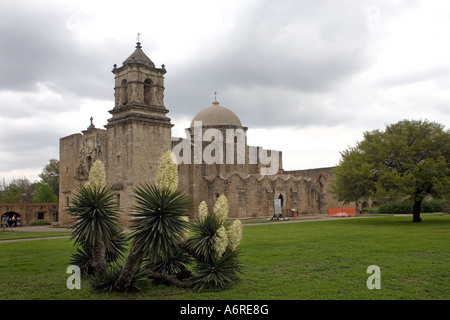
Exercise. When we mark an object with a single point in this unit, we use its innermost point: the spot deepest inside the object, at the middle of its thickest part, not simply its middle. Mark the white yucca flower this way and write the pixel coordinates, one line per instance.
(167, 175)
(202, 210)
(97, 178)
(221, 208)
(220, 242)
(234, 234)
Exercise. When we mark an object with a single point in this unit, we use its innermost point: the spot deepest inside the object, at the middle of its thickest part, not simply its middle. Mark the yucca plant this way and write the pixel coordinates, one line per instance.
(176, 266)
(201, 244)
(157, 228)
(157, 224)
(213, 245)
(114, 250)
(217, 274)
(105, 282)
(96, 216)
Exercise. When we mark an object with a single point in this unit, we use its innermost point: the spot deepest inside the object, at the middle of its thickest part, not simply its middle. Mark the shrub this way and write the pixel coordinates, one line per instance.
(433, 206)
(214, 246)
(396, 207)
(40, 223)
(407, 207)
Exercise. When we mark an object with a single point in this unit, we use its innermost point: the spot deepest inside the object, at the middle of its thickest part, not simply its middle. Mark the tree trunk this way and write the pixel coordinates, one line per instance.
(416, 211)
(124, 280)
(99, 263)
(168, 278)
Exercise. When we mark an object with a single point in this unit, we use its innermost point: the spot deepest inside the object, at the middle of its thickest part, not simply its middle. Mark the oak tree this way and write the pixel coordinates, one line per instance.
(410, 158)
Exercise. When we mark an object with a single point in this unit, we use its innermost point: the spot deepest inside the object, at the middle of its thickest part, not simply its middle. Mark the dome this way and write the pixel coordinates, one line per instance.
(216, 115)
(138, 56)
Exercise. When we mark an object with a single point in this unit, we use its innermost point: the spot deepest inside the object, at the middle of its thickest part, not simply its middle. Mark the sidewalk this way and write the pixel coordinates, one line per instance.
(38, 229)
(246, 222)
(301, 218)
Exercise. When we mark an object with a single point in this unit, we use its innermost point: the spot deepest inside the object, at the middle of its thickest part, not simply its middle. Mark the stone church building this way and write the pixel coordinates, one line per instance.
(214, 157)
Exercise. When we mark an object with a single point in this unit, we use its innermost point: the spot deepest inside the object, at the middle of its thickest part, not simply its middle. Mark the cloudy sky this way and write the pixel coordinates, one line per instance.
(307, 77)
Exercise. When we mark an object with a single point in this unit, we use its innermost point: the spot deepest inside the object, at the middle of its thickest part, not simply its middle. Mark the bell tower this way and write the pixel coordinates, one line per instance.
(139, 90)
(139, 131)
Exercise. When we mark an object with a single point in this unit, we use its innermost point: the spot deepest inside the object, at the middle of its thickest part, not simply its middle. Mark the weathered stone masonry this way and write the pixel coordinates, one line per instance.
(139, 131)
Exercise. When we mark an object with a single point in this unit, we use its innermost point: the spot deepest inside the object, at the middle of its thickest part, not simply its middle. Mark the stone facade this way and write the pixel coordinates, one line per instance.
(214, 156)
(30, 212)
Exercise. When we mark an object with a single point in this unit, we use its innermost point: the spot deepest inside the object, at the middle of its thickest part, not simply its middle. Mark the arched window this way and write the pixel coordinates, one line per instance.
(124, 93)
(148, 86)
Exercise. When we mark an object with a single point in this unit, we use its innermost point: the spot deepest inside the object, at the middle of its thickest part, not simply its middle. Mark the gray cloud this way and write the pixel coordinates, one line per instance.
(38, 47)
(278, 47)
(284, 63)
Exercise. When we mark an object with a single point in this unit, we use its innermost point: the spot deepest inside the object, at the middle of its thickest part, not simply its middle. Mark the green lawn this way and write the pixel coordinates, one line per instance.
(307, 260)
(13, 234)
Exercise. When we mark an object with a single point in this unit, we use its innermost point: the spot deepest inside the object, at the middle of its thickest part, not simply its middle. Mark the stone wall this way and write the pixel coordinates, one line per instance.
(322, 178)
(251, 195)
(31, 212)
(133, 159)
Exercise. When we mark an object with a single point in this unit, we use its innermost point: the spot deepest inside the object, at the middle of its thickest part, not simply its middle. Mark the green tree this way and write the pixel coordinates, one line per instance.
(50, 175)
(11, 194)
(44, 193)
(411, 158)
(17, 190)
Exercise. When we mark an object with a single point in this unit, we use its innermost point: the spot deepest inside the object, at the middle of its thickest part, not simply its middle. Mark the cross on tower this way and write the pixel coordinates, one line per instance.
(215, 95)
(138, 37)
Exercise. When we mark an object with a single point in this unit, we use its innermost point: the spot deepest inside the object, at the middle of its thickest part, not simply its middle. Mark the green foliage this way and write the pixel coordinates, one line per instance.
(96, 230)
(44, 193)
(396, 207)
(50, 175)
(40, 223)
(409, 158)
(17, 190)
(177, 264)
(407, 207)
(217, 274)
(200, 245)
(433, 206)
(115, 250)
(157, 224)
(105, 282)
(11, 194)
(215, 271)
(160, 248)
(96, 216)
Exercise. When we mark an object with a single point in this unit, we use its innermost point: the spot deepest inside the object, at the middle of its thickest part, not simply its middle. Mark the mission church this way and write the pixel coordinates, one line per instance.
(214, 157)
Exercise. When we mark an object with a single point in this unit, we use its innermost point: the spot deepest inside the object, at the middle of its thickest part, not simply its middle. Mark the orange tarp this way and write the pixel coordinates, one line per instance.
(343, 212)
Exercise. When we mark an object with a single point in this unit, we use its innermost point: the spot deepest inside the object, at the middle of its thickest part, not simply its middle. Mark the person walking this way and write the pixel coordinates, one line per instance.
(4, 222)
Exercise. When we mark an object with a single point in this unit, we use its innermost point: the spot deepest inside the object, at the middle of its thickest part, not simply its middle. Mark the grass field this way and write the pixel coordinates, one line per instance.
(307, 260)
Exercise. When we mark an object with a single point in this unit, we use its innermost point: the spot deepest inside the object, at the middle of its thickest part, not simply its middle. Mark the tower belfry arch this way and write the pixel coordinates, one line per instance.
(139, 89)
